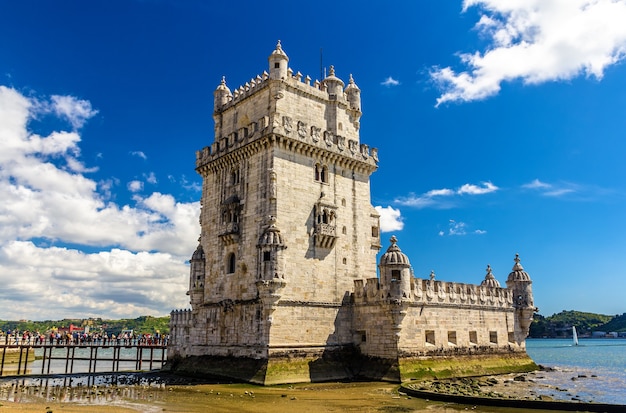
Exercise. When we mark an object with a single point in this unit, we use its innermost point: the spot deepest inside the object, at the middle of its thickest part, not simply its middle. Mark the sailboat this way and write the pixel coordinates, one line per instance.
(574, 335)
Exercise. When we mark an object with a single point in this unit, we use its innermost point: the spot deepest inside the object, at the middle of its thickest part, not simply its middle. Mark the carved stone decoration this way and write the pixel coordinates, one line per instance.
(301, 129)
(341, 142)
(365, 150)
(374, 153)
(352, 146)
(287, 124)
(272, 184)
(328, 138)
(315, 133)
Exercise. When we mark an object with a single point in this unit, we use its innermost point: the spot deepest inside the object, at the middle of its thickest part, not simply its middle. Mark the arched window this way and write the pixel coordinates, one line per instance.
(324, 174)
(231, 263)
(317, 172)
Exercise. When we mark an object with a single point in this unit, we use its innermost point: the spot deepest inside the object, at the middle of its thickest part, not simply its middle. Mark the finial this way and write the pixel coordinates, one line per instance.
(488, 269)
(278, 47)
(517, 266)
(351, 79)
(223, 82)
(331, 72)
(432, 274)
(393, 240)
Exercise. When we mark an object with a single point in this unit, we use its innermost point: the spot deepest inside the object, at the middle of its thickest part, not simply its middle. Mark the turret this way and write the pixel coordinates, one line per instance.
(197, 276)
(395, 272)
(353, 94)
(333, 84)
(278, 63)
(221, 95)
(490, 280)
(520, 284)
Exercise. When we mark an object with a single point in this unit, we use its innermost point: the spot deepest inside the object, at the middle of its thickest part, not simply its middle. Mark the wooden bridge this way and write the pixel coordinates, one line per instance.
(110, 356)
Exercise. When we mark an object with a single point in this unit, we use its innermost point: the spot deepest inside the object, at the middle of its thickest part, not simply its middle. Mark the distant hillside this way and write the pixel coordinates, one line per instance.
(141, 325)
(560, 325)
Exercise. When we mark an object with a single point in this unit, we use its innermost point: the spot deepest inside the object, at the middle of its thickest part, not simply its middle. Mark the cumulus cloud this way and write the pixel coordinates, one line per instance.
(390, 81)
(444, 197)
(63, 238)
(536, 41)
(76, 111)
(390, 219)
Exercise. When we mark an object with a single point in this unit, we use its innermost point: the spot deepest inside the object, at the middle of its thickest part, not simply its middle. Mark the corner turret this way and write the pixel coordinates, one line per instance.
(353, 94)
(333, 84)
(197, 275)
(395, 272)
(520, 284)
(278, 62)
(222, 95)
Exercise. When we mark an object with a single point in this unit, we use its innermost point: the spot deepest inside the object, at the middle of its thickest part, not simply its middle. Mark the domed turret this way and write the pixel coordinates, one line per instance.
(270, 257)
(221, 95)
(520, 284)
(394, 256)
(395, 271)
(490, 280)
(197, 276)
(333, 84)
(353, 94)
(518, 273)
(278, 61)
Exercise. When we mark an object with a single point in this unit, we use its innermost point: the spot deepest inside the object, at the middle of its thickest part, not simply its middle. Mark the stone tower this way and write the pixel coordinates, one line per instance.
(283, 285)
(286, 223)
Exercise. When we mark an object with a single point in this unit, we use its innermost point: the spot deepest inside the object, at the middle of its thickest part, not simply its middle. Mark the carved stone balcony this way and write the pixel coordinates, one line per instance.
(230, 233)
(325, 235)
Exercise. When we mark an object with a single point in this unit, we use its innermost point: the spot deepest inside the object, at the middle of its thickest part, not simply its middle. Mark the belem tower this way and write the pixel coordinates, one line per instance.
(283, 286)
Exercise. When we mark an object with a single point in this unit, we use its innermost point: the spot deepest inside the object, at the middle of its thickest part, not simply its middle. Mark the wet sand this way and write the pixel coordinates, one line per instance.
(141, 394)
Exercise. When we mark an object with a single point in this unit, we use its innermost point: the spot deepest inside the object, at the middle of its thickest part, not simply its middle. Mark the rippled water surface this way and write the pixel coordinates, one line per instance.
(593, 370)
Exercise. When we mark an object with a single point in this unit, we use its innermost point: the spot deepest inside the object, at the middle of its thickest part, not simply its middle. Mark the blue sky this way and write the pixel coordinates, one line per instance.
(500, 127)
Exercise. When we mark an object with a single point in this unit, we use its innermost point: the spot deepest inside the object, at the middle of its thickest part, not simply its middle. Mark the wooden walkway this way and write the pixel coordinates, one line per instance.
(142, 355)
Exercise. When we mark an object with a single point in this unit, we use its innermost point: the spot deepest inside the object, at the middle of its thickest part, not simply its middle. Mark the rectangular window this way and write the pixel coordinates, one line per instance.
(452, 338)
(430, 337)
(473, 337)
(374, 231)
(511, 337)
(395, 275)
(493, 337)
(267, 256)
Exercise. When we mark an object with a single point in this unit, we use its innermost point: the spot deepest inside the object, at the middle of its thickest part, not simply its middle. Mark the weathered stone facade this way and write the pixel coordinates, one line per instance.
(283, 285)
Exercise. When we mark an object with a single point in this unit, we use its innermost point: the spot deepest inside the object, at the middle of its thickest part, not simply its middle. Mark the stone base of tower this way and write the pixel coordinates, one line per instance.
(291, 366)
(311, 365)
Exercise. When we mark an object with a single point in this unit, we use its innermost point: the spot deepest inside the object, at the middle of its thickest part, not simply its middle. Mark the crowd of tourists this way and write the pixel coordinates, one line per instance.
(80, 338)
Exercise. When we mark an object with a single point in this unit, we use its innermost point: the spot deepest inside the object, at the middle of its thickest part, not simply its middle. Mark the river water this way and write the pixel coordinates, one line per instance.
(593, 370)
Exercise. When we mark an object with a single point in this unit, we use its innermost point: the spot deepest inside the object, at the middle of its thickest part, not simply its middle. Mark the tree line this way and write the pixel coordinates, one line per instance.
(560, 324)
(139, 325)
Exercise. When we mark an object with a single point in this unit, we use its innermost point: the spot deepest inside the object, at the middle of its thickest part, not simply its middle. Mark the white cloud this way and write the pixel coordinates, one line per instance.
(124, 260)
(76, 111)
(390, 81)
(390, 219)
(536, 41)
(151, 178)
(552, 190)
(471, 189)
(460, 228)
(444, 198)
(139, 154)
(135, 186)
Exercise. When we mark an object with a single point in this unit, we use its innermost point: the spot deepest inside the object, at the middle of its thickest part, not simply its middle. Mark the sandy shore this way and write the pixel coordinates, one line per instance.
(173, 394)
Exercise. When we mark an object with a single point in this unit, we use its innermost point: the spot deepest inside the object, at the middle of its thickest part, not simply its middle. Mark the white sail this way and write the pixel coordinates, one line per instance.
(574, 335)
